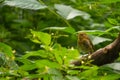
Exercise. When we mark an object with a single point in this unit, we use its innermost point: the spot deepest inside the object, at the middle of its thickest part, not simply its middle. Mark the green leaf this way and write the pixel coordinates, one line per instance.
(55, 74)
(72, 77)
(73, 72)
(57, 55)
(36, 76)
(99, 32)
(44, 63)
(25, 4)
(40, 53)
(69, 13)
(115, 66)
(64, 55)
(114, 28)
(28, 67)
(64, 29)
(60, 53)
(54, 28)
(24, 61)
(6, 49)
(69, 30)
(35, 40)
(112, 21)
(90, 73)
(98, 40)
(42, 37)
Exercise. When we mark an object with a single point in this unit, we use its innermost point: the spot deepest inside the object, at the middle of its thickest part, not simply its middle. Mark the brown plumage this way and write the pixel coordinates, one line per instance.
(84, 43)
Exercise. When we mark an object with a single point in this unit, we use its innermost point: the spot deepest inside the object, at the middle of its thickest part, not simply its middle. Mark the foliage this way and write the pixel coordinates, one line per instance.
(38, 38)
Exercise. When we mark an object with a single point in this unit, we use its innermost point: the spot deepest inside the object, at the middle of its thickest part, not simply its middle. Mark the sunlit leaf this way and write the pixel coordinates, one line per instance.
(34, 76)
(69, 30)
(25, 61)
(98, 40)
(44, 63)
(69, 13)
(72, 72)
(99, 32)
(64, 55)
(42, 37)
(58, 56)
(72, 77)
(25, 4)
(115, 66)
(40, 53)
(90, 73)
(28, 67)
(64, 29)
(54, 28)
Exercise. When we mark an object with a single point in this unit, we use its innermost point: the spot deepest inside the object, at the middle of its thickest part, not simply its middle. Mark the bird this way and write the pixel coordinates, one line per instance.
(84, 43)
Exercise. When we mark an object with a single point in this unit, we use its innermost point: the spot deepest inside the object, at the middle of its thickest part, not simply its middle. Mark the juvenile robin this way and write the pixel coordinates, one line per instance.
(84, 43)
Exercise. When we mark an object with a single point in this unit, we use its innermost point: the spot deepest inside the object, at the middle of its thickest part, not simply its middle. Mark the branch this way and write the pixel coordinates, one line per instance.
(103, 55)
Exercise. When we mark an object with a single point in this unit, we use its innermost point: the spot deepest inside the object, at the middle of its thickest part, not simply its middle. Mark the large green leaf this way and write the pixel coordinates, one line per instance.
(46, 63)
(25, 4)
(72, 77)
(64, 29)
(40, 53)
(55, 74)
(6, 49)
(69, 30)
(24, 61)
(28, 67)
(98, 40)
(99, 32)
(58, 56)
(90, 73)
(115, 66)
(64, 55)
(69, 13)
(42, 37)
(112, 21)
